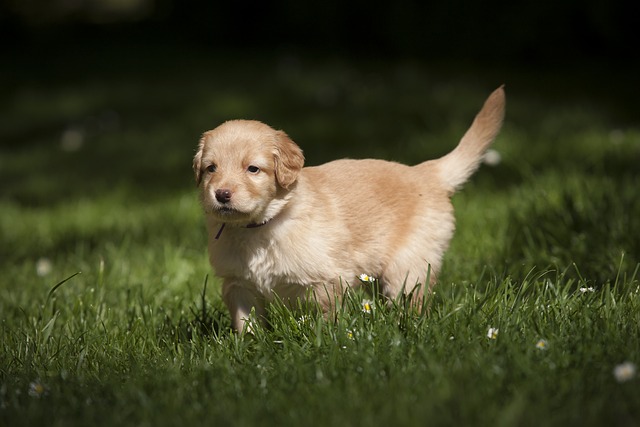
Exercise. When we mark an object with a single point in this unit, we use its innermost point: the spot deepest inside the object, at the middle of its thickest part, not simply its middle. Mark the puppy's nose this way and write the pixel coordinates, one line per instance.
(223, 195)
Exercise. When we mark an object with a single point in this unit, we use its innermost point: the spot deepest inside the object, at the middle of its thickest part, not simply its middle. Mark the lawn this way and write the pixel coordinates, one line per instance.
(111, 315)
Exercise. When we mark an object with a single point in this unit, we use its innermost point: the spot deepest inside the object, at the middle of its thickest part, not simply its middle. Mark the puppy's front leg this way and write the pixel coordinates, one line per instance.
(240, 300)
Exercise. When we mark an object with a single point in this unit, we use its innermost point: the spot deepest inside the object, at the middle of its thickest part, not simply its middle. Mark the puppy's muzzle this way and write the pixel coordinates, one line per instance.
(223, 195)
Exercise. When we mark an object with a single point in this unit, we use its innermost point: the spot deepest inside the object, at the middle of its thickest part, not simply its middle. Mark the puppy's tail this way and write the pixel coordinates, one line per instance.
(456, 167)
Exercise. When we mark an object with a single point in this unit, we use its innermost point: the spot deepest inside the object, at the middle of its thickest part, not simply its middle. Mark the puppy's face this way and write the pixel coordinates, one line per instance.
(241, 167)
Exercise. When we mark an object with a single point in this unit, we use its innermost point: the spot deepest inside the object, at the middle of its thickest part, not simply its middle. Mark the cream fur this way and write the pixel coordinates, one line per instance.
(315, 229)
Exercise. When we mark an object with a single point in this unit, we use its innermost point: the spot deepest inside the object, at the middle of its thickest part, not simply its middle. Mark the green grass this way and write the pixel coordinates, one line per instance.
(547, 248)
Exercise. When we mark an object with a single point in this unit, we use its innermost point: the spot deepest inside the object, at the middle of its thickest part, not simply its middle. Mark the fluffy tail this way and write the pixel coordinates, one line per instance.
(456, 167)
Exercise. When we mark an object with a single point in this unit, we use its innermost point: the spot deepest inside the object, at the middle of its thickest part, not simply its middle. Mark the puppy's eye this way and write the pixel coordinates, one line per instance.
(253, 169)
(211, 168)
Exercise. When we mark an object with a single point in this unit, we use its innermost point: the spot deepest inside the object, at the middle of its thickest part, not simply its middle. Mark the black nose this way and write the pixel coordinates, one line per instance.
(223, 195)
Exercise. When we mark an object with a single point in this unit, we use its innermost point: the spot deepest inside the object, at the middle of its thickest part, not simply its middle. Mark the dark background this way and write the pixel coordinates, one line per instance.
(488, 30)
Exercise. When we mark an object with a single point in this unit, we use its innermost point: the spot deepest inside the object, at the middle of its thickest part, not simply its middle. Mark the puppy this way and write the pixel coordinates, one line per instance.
(278, 229)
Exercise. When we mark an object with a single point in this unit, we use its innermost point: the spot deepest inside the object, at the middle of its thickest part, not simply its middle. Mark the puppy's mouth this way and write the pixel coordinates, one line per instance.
(228, 213)
(225, 210)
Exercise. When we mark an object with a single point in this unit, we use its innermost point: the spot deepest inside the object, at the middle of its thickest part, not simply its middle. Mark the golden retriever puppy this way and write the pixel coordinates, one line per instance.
(278, 229)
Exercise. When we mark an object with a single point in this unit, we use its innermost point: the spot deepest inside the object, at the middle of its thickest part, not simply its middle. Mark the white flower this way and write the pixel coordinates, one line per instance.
(492, 157)
(542, 344)
(366, 278)
(72, 139)
(492, 333)
(44, 266)
(367, 306)
(624, 372)
(589, 289)
(37, 389)
(304, 320)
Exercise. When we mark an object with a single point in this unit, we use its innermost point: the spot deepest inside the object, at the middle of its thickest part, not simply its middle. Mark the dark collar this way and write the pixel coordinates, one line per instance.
(251, 225)
(256, 225)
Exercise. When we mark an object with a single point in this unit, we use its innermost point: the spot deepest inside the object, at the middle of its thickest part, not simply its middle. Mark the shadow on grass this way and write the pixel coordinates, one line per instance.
(591, 223)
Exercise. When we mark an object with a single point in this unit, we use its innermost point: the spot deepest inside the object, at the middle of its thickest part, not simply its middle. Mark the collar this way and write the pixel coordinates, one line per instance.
(251, 225)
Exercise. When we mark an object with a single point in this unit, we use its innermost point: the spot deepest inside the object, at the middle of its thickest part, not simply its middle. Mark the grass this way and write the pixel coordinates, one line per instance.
(95, 167)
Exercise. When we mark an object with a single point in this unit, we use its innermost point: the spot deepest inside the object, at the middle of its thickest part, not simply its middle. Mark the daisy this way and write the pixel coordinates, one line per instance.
(367, 306)
(492, 333)
(542, 344)
(624, 372)
(304, 320)
(44, 266)
(37, 389)
(366, 278)
(589, 289)
(492, 158)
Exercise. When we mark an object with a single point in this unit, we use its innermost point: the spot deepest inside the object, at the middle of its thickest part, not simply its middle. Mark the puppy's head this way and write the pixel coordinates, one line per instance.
(241, 167)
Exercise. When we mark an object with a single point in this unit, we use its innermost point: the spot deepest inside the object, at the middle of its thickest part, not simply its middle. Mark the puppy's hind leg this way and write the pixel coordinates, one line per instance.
(328, 297)
(412, 285)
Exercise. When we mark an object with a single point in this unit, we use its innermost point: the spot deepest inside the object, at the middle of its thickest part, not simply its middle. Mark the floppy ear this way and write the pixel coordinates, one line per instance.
(197, 162)
(288, 159)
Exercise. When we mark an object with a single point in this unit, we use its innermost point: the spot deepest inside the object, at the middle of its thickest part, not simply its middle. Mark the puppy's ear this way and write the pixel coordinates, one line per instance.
(197, 162)
(289, 159)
